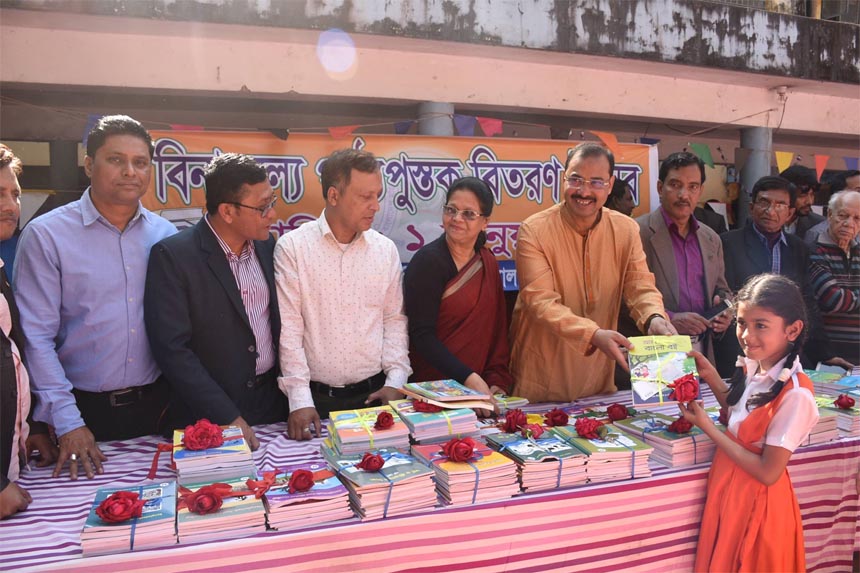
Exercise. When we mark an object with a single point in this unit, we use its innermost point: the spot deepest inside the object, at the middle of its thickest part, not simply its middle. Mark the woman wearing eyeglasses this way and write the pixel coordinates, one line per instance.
(454, 300)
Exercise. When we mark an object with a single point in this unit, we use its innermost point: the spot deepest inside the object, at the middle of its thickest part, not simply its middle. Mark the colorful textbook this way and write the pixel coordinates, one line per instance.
(354, 431)
(670, 448)
(429, 427)
(548, 462)
(156, 527)
(617, 456)
(655, 363)
(233, 458)
(447, 394)
(326, 501)
(237, 517)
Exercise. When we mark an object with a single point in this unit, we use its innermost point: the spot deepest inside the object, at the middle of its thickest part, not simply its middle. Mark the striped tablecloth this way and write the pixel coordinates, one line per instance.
(636, 525)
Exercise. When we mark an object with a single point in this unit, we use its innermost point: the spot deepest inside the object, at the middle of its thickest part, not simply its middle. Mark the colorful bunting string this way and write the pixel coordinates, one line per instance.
(465, 124)
(783, 159)
(609, 140)
(403, 127)
(820, 165)
(342, 131)
(703, 152)
(851, 163)
(490, 126)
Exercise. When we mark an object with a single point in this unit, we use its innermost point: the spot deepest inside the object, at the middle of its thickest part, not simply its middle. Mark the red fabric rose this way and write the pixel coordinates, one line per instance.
(207, 499)
(120, 506)
(384, 421)
(555, 417)
(301, 480)
(202, 436)
(514, 419)
(533, 430)
(588, 428)
(459, 450)
(420, 406)
(370, 462)
(724, 417)
(684, 389)
(680, 426)
(617, 412)
(844, 401)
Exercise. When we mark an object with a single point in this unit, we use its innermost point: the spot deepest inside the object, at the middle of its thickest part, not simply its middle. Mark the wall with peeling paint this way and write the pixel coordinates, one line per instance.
(686, 32)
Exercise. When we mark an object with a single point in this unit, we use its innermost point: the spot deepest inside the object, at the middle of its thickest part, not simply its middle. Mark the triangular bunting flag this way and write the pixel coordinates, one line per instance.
(609, 140)
(703, 152)
(342, 130)
(741, 156)
(403, 127)
(783, 160)
(851, 163)
(92, 120)
(649, 140)
(185, 127)
(820, 165)
(490, 126)
(465, 124)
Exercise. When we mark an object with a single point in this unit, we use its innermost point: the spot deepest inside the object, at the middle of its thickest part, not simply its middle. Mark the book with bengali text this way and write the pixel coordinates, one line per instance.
(655, 363)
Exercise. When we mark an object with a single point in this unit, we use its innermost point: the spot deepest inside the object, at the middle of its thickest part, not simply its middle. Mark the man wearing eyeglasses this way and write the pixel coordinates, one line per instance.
(763, 247)
(685, 257)
(804, 217)
(210, 305)
(576, 263)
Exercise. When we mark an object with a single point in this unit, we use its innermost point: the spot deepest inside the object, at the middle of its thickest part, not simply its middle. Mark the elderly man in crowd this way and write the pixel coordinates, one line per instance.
(685, 256)
(344, 343)
(576, 262)
(79, 278)
(835, 274)
(763, 247)
(211, 310)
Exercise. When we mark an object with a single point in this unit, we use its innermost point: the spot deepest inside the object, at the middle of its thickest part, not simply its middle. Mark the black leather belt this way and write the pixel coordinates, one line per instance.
(366, 386)
(123, 396)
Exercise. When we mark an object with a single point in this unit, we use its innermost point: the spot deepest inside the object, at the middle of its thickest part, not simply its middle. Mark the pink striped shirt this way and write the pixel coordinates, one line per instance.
(255, 297)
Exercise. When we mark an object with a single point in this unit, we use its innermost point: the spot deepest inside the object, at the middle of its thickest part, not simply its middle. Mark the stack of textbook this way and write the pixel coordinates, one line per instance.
(670, 449)
(548, 462)
(617, 456)
(433, 427)
(487, 476)
(403, 484)
(239, 515)
(326, 501)
(355, 431)
(232, 458)
(825, 430)
(847, 421)
(156, 527)
(447, 394)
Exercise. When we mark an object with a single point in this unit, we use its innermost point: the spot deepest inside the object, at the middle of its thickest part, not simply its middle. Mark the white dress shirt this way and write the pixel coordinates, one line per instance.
(341, 310)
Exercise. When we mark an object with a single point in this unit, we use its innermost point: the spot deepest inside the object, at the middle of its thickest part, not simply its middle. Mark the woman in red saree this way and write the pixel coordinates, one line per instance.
(453, 296)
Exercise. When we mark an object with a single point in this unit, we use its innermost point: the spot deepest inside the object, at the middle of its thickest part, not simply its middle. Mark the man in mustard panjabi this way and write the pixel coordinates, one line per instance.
(576, 263)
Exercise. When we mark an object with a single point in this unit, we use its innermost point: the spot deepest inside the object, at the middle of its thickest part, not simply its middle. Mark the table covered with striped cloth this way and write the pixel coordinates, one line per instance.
(635, 525)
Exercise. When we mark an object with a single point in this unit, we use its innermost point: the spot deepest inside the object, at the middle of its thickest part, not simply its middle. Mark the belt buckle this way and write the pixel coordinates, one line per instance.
(113, 395)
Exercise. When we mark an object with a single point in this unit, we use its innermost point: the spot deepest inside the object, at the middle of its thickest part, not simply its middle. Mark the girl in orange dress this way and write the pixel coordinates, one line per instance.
(751, 520)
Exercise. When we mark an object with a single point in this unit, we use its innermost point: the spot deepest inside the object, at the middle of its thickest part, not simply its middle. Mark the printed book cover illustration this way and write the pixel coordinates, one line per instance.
(445, 391)
(657, 362)
(234, 443)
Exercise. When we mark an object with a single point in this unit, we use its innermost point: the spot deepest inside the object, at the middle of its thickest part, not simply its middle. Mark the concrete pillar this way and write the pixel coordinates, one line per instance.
(760, 141)
(435, 118)
(64, 165)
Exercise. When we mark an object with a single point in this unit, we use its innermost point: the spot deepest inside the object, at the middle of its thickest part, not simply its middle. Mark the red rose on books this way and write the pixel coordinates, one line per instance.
(555, 417)
(207, 499)
(301, 480)
(120, 506)
(844, 401)
(533, 430)
(459, 450)
(680, 426)
(587, 428)
(617, 412)
(384, 421)
(513, 420)
(724, 417)
(684, 389)
(420, 406)
(202, 436)
(370, 462)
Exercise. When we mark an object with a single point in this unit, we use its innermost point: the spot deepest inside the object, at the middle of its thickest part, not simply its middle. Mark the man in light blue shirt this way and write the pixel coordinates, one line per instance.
(79, 279)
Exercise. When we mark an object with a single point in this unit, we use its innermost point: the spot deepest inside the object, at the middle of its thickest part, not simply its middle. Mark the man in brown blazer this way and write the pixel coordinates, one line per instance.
(685, 256)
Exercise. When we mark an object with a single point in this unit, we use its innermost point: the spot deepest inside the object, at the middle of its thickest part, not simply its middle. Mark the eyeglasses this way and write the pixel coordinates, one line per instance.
(576, 182)
(466, 214)
(763, 205)
(264, 211)
(677, 186)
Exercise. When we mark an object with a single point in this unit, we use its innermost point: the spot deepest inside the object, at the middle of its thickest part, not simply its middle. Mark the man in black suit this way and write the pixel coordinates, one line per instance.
(210, 306)
(763, 247)
(804, 217)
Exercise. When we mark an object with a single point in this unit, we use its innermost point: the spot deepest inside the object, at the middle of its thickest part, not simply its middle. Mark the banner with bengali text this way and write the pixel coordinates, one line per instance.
(525, 175)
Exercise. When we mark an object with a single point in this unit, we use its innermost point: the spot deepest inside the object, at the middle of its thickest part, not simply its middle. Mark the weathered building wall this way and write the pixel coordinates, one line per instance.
(687, 32)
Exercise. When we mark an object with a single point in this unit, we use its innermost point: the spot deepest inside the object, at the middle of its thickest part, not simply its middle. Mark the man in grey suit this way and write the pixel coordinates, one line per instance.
(685, 256)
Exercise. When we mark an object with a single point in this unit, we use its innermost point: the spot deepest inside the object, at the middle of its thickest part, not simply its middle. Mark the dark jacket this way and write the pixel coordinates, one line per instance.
(806, 222)
(200, 334)
(746, 256)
